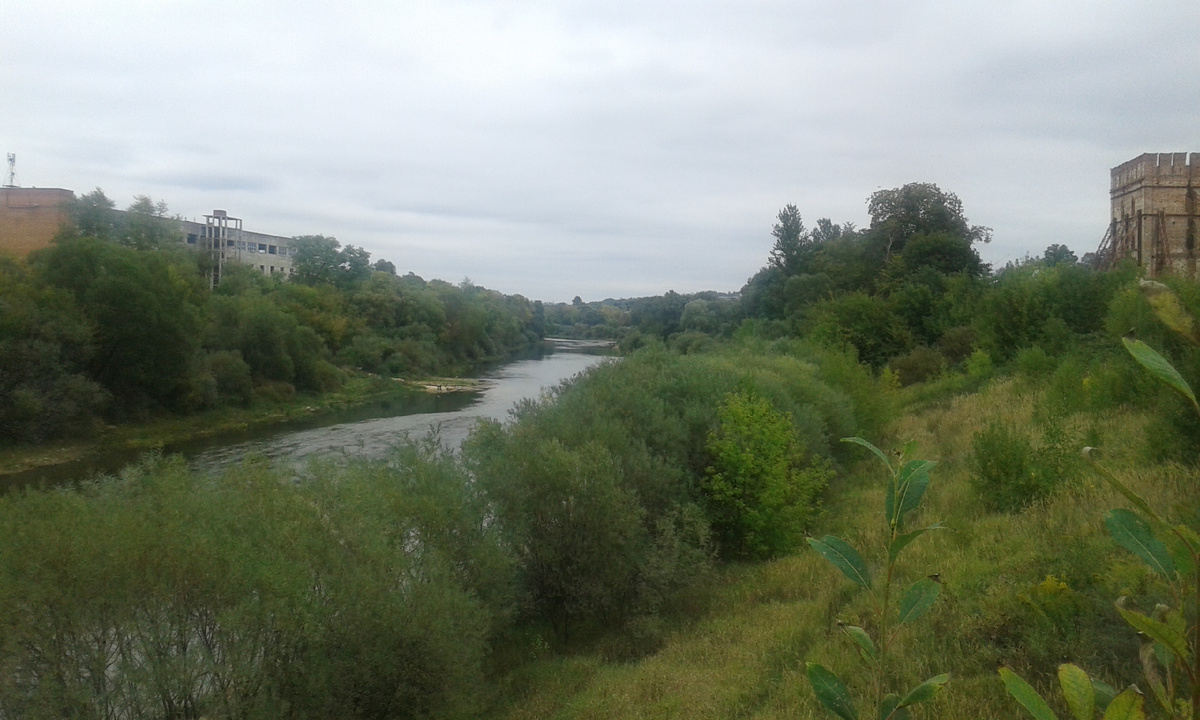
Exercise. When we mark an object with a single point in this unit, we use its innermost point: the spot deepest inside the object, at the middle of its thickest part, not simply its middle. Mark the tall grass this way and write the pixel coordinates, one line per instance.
(1026, 589)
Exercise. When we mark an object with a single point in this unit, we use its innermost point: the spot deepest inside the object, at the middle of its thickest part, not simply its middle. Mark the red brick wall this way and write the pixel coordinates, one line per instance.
(30, 217)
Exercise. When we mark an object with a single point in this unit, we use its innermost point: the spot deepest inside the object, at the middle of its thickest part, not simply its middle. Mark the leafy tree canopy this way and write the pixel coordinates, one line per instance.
(791, 240)
(900, 213)
(322, 260)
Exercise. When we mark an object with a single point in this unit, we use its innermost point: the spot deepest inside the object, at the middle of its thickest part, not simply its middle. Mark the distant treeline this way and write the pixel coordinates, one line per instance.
(908, 292)
(115, 321)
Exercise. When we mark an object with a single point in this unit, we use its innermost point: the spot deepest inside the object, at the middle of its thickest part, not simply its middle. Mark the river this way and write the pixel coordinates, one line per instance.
(364, 432)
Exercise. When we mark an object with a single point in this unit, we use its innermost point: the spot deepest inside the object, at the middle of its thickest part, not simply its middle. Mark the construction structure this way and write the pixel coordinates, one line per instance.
(1155, 213)
(224, 240)
(30, 219)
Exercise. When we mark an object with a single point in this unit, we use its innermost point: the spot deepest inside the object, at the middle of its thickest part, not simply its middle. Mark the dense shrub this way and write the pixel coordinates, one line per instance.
(1009, 470)
(162, 593)
(634, 442)
(761, 485)
(45, 345)
(864, 322)
(918, 365)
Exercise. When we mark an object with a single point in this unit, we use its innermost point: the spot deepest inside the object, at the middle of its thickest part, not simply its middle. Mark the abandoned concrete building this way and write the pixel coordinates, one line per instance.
(31, 217)
(1154, 214)
(224, 238)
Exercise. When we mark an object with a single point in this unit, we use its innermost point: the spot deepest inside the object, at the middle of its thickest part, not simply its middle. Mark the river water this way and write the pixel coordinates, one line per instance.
(364, 432)
(501, 390)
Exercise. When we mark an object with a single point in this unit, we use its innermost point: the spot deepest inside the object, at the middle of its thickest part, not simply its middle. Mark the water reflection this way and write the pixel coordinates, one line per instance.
(366, 431)
(372, 438)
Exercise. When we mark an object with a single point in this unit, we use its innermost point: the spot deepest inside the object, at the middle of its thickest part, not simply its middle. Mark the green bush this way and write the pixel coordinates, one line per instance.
(1034, 363)
(1009, 472)
(367, 594)
(957, 344)
(761, 485)
(231, 374)
(980, 365)
(918, 365)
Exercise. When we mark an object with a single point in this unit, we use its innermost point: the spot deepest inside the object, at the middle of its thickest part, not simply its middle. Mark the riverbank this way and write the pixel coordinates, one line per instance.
(168, 430)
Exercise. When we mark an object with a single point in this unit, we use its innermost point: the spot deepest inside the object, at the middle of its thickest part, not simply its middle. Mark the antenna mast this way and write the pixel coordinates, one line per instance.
(12, 170)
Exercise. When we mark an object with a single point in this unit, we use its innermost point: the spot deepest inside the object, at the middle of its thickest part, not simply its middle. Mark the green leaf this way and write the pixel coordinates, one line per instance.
(890, 708)
(1104, 693)
(878, 453)
(1189, 536)
(1126, 706)
(1181, 554)
(1169, 309)
(1135, 535)
(1077, 689)
(917, 600)
(1159, 367)
(844, 557)
(1150, 662)
(1137, 500)
(862, 640)
(913, 479)
(889, 502)
(831, 691)
(925, 691)
(902, 541)
(1157, 631)
(1026, 695)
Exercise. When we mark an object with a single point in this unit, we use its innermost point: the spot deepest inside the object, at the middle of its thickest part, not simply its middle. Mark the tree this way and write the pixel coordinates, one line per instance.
(321, 260)
(791, 239)
(1058, 254)
(827, 231)
(900, 213)
(382, 265)
(146, 225)
(317, 259)
(45, 342)
(93, 216)
(145, 310)
(947, 254)
(761, 484)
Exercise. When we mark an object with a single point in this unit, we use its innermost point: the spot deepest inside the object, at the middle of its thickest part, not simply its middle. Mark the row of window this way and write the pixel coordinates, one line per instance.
(253, 247)
(262, 248)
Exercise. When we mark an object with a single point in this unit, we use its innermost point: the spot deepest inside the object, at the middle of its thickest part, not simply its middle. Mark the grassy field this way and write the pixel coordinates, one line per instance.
(1029, 590)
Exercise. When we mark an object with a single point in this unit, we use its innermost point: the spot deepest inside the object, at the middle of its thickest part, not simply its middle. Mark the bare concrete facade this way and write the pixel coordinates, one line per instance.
(224, 238)
(30, 217)
(1155, 213)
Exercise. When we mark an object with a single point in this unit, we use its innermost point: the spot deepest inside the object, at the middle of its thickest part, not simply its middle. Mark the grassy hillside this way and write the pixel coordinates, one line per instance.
(1028, 589)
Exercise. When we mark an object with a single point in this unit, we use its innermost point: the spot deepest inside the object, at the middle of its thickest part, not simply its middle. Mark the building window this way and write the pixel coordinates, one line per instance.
(272, 250)
(262, 248)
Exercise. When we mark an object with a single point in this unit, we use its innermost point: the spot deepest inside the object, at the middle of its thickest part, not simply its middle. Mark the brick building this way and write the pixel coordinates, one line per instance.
(1155, 213)
(31, 217)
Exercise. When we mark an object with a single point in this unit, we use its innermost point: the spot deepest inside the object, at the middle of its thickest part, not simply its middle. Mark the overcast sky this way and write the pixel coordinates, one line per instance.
(602, 148)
